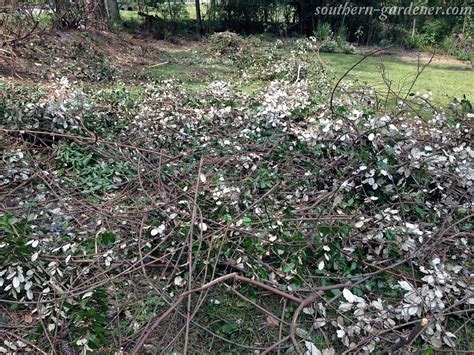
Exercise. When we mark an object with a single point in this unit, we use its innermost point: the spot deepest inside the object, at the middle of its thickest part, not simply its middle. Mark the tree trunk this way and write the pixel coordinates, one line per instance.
(61, 6)
(101, 15)
(212, 10)
(62, 12)
(113, 10)
(198, 18)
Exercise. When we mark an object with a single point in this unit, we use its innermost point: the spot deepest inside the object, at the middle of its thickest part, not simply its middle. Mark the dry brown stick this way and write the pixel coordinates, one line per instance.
(281, 320)
(269, 288)
(45, 329)
(180, 299)
(280, 331)
(419, 72)
(92, 140)
(404, 100)
(83, 289)
(275, 345)
(23, 340)
(140, 238)
(210, 284)
(19, 39)
(347, 72)
(190, 258)
(320, 59)
(415, 332)
(306, 302)
(357, 346)
(16, 188)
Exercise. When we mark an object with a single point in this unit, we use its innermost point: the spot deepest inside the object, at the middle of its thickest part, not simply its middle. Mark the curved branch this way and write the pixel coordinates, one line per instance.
(348, 71)
(306, 302)
(415, 332)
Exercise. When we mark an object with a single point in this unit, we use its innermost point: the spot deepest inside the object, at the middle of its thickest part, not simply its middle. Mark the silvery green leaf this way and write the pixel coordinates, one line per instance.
(348, 295)
(16, 282)
(311, 349)
(301, 333)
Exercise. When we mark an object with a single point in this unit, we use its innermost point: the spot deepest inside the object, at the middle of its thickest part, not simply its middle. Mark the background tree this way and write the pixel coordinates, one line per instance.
(198, 17)
(113, 10)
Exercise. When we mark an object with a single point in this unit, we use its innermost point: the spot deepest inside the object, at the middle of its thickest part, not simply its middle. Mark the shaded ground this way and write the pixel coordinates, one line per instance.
(91, 56)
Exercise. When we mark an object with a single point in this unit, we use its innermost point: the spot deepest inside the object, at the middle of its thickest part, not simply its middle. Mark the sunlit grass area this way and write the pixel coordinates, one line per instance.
(443, 80)
(190, 13)
(126, 15)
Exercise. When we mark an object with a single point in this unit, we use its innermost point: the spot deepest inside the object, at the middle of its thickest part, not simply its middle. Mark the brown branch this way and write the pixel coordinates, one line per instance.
(415, 332)
(306, 302)
(418, 73)
(26, 341)
(348, 71)
(275, 345)
(217, 281)
(92, 140)
(190, 257)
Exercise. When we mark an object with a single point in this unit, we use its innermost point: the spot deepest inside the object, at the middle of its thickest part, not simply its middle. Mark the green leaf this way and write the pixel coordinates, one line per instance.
(289, 267)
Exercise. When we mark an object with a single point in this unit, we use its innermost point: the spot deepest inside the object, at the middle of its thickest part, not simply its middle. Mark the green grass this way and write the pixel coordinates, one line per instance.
(444, 81)
(131, 16)
(190, 67)
(190, 8)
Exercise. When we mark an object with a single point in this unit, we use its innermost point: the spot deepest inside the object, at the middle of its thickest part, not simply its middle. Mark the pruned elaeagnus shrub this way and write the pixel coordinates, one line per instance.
(104, 112)
(286, 186)
(60, 113)
(329, 46)
(227, 44)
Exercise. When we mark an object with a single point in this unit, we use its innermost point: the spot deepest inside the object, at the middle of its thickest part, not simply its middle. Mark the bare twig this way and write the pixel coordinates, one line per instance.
(414, 333)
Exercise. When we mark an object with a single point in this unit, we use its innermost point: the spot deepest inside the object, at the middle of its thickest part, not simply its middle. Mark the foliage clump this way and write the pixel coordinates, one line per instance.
(228, 45)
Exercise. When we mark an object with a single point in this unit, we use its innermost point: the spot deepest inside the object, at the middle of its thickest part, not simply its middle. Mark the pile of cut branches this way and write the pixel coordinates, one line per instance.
(141, 219)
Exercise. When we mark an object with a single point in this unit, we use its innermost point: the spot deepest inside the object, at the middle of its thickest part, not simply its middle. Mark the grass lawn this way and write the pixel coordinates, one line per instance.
(443, 80)
(190, 8)
(127, 16)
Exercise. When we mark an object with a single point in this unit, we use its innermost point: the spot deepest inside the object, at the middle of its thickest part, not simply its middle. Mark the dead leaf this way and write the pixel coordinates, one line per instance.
(272, 321)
